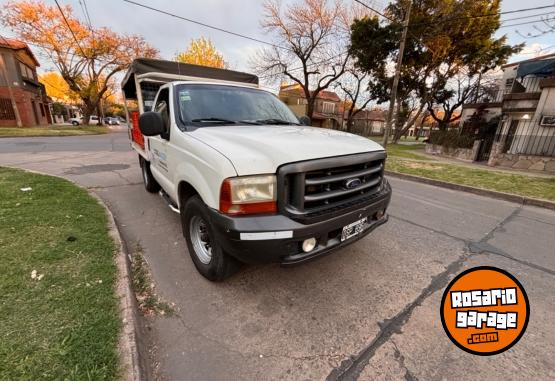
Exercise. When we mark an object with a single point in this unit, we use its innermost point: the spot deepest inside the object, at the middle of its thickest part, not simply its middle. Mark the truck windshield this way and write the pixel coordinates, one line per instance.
(209, 105)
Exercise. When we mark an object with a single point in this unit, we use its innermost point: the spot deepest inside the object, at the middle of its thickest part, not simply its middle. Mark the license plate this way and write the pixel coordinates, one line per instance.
(353, 229)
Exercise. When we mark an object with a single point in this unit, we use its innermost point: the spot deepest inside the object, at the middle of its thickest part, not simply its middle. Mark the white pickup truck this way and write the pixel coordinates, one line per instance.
(251, 182)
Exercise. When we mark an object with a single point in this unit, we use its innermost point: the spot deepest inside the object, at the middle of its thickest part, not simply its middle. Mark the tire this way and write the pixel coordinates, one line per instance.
(75, 123)
(207, 255)
(151, 185)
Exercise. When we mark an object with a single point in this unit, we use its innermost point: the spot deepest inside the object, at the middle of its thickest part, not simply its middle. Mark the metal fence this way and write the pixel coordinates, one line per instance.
(526, 137)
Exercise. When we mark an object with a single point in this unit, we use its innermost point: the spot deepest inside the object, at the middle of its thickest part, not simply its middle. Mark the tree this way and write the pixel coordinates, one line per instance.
(462, 89)
(202, 52)
(87, 58)
(354, 85)
(445, 38)
(310, 36)
(57, 88)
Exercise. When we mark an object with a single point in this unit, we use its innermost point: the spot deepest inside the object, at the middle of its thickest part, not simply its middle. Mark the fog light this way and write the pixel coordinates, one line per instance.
(379, 215)
(309, 244)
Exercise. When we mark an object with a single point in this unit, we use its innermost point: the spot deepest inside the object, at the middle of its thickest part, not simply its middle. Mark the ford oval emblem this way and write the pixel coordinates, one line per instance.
(353, 183)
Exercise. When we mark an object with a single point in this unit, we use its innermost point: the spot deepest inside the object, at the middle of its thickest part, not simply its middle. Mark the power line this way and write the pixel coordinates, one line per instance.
(527, 17)
(88, 14)
(85, 13)
(206, 25)
(374, 10)
(529, 22)
(484, 15)
(69, 27)
(475, 16)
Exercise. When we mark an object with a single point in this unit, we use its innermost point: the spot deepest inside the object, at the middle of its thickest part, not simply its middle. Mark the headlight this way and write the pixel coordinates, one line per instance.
(249, 195)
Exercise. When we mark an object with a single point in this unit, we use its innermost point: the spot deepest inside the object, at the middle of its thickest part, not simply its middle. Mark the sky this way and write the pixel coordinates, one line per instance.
(171, 35)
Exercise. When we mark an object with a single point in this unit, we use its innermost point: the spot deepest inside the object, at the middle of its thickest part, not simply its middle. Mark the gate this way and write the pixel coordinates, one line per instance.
(485, 148)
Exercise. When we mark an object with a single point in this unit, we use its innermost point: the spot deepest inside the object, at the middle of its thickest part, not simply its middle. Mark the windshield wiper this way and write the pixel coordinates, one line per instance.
(224, 121)
(213, 120)
(277, 122)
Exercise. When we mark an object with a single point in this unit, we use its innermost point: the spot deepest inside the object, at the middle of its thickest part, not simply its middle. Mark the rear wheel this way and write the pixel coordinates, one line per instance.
(151, 185)
(207, 254)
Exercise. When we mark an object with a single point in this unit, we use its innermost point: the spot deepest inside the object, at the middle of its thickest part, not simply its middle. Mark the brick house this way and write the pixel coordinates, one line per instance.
(367, 122)
(327, 111)
(18, 70)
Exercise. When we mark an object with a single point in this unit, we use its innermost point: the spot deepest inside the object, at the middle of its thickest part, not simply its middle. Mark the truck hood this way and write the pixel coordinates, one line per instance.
(262, 149)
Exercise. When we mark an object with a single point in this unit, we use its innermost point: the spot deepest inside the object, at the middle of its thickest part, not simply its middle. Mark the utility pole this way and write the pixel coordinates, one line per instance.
(389, 119)
(10, 91)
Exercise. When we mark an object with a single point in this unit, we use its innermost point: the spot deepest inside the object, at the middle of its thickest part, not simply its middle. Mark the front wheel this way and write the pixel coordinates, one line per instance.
(151, 185)
(207, 254)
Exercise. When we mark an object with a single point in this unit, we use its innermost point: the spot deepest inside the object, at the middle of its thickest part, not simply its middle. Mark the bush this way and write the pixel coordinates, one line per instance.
(452, 139)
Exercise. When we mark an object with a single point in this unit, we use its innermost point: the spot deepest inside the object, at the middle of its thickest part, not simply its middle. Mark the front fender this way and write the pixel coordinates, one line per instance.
(203, 167)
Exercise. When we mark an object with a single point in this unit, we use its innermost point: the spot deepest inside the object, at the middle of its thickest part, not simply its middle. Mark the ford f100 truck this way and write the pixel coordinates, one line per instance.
(251, 182)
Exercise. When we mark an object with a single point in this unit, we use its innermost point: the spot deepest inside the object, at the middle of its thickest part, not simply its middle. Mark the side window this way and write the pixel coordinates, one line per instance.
(163, 108)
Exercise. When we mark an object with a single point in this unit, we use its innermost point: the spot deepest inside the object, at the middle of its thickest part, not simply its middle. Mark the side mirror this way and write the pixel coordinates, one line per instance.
(151, 124)
(305, 120)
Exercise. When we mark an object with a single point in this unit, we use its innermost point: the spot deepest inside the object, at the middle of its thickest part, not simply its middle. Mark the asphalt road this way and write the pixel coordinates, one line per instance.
(370, 311)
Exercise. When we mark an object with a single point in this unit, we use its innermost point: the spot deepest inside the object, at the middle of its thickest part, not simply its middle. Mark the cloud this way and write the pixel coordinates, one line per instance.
(534, 50)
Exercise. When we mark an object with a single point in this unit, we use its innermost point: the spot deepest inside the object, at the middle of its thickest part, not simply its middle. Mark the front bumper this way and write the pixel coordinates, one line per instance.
(253, 239)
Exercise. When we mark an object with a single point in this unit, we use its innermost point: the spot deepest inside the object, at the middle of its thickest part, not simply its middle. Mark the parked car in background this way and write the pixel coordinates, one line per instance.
(111, 121)
(78, 121)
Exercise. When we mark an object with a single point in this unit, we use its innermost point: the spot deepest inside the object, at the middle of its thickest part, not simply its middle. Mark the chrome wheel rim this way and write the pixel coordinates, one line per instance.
(200, 239)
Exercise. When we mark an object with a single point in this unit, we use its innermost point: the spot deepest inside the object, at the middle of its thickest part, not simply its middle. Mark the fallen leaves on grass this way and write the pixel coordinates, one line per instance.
(417, 165)
(36, 276)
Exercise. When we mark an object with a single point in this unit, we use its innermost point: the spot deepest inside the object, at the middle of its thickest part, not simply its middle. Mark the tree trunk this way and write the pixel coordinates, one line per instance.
(350, 120)
(398, 126)
(88, 111)
(442, 125)
(310, 108)
(99, 114)
(397, 135)
(350, 124)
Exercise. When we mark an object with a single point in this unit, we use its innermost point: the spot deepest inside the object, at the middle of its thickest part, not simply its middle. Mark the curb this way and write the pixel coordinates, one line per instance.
(128, 349)
(479, 191)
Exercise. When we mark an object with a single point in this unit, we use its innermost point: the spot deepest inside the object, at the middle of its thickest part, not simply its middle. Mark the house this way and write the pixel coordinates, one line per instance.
(19, 82)
(327, 113)
(367, 122)
(524, 137)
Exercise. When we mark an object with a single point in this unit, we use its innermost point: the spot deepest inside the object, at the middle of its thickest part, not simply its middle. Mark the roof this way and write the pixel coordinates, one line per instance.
(10, 43)
(329, 96)
(179, 71)
(374, 115)
(540, 58)
(324, 94)
(543, 68)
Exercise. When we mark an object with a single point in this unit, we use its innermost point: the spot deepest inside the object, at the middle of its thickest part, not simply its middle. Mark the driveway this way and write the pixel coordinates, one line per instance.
(370, 311)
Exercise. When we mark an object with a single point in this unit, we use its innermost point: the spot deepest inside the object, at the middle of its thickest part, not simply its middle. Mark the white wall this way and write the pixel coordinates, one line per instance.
(546, 105)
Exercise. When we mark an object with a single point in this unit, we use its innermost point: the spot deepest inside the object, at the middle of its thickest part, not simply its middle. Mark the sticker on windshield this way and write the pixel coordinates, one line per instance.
(184, 96)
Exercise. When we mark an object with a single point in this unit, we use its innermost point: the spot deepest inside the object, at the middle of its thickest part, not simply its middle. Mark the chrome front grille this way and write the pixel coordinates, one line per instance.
(319, 187)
